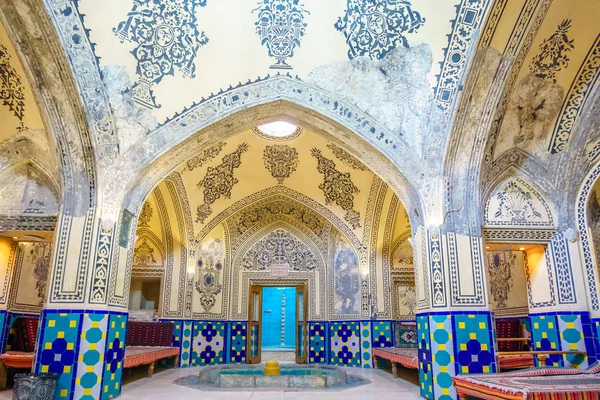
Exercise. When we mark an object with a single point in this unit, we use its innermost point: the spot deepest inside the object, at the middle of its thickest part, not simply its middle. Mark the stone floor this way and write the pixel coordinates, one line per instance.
(161, 387)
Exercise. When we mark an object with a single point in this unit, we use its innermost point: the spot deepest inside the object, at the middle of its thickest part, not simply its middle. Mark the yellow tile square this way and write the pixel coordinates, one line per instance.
(70, 346)
(551, 325)
(60, 335)
(573, 346)
(48, 346)
(95, 324)
(72, 324)
(544, 335)
(89, 368)
(64, 393)
(463, 346)
(78, 381)
(442, 347)
(44, 369)
(553, 345)
(482, 325)
(440, 325)
(472, 336)
(63, 314)
(87, 392)
(536, 325)
(461, 325)
(93, 346)
(484, 346)
(117, 334)
(51, 323)
(571, 325)
(486, 369)
(443, 369)
(67, 369)
(465, 370)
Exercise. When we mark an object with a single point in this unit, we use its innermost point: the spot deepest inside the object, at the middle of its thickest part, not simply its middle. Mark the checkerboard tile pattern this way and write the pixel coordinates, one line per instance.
(317, 343)
(88, 384)
(208, 347)
(3, 328)
(425, 371)
(113, 356)
(238, 332)
(345, 344)
(366, 351)
(442, 356)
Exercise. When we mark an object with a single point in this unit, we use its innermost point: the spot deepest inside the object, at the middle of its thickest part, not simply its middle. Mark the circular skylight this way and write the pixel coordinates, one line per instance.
(278, 130)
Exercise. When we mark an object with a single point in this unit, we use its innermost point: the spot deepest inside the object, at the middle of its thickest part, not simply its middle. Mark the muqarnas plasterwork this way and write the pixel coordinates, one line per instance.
(346, 158)
(146, 214)
(12, 91)
(553, 53)
(219, 181)
(40, 257)
(167, 37)
(280, 247)
(516, 204)
(281, 161)
(501, 265)
(205, 157)
(210, 267)
(281, 27)
(374, 28)
(338, 188)
(346, 277)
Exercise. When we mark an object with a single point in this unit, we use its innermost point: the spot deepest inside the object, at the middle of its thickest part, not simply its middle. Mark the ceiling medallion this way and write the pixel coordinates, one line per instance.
(278, 131)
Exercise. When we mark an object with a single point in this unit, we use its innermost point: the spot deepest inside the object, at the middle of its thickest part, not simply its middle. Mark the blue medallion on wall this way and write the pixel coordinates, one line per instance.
(281, 26)
(376, 27)
(167, 37)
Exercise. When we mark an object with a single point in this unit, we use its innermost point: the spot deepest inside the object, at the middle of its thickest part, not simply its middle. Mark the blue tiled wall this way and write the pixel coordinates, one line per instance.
(272, 316)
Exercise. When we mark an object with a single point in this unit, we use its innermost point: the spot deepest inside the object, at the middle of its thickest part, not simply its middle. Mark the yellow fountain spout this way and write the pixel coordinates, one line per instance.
(272, 368)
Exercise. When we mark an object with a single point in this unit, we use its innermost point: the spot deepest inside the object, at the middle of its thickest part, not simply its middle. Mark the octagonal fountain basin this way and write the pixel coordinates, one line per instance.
(292, 376)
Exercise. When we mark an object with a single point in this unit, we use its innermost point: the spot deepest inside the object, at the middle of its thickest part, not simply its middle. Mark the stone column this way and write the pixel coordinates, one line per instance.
(454, 323)
(81, 335)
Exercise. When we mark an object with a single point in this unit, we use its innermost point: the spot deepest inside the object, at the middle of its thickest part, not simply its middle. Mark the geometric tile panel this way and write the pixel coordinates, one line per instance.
(3, 328)
(589, 336)
(425, 371)
(237, 342)
(317, 343)
(365, 338)
(596, 335)
(186, 344)
(382, 334)
(114, 353)
(176, 342)
(544, 335)
(474, 343)
(209, 343)
(442, 356)
(345, 344)
(88, 384)
(572, 339)
(57, 349)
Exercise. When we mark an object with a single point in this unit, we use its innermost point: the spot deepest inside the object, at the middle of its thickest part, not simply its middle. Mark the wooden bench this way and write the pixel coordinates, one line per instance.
(149, 342)
(407, 357)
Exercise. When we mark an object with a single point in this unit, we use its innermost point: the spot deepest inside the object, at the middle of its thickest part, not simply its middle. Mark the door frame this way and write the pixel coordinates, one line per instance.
(276, 282)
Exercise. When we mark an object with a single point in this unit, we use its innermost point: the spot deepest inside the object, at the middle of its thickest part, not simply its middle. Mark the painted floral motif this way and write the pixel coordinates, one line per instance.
(12, 91)
(553, 53)
(338, 188)
(374, 28)
(219, 181)
(346, 158)
(501, 265)
(210, 267)
(40, 257)
(280, 247)
(408, 299)
(281, 26)
(516, 204)
(205, 157)
(281, 161)
(143, 255)
(167, 37)
(146, 214)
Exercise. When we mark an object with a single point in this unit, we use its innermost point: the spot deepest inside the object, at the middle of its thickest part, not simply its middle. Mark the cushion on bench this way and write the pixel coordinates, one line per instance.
(26, 331)
(156, 334)
(508, 328)
(405, 335)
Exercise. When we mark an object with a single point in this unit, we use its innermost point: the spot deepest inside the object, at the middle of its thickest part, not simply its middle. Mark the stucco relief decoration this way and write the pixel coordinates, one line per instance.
(408, 299)
(219, 181)
(143, 254)
(553, 53)
(281, 27)
(501, 277)
(40, 257)
(167, 37)
(205, 157)
(516, 205)
(346, 158)
(12, 91)
(594, 222)
(274, 209)
(280, 247)
(338, 188)
(281, 161)
(145, 215)
(210, 268)
(346, 276)
(374, 28)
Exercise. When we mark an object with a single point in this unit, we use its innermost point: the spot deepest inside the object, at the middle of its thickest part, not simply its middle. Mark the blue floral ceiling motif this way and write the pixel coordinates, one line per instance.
(167, 35)
(281, 26)
(376, 27)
